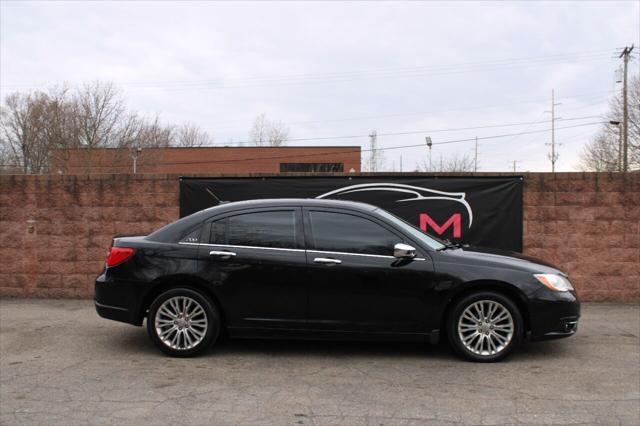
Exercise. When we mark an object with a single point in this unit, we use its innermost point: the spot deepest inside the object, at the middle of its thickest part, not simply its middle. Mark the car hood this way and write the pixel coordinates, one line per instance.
(501, 258)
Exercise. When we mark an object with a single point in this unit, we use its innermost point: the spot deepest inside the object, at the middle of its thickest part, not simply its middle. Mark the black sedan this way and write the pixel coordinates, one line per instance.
(327, 269)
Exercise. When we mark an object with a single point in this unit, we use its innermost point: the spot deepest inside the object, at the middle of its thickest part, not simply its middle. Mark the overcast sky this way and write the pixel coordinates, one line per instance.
(341, 68)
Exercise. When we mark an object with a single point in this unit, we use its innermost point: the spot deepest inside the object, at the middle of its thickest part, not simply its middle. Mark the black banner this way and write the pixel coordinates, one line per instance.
(481, 211)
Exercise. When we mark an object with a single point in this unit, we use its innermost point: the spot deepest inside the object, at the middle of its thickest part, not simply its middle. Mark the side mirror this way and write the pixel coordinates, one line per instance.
(401, 250)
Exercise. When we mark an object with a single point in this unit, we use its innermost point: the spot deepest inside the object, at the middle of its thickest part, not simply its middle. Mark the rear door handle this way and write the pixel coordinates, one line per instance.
(327, 261)
(222, 254)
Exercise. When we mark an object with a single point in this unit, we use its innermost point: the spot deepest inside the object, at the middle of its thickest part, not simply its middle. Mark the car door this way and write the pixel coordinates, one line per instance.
(355, 282)
(255, 262)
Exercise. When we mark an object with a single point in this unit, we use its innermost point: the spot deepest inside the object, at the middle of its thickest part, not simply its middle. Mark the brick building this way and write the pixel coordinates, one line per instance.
(213, 160)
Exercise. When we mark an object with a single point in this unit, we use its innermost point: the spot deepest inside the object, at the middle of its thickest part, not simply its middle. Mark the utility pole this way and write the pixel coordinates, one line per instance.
(475, 161)
(625, 110)
(617, 123)
(514, 165)
(553, 135)
(373, 157)
(400, 163)
(553, 156)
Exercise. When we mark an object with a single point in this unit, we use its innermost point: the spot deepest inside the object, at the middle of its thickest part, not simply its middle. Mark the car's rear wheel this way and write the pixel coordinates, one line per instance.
(183, 322)
(485, 326)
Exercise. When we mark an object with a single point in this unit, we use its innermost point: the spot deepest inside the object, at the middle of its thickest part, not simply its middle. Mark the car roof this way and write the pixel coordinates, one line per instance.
(169, 232)
(288, 202)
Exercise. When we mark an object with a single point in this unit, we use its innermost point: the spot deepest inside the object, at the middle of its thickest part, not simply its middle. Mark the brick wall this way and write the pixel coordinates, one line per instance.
(589, 225)
(75, 218)
(55, 230)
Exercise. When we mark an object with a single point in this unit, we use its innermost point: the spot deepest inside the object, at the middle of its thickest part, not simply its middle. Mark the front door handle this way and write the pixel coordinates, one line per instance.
(327, 261)
(222, 254)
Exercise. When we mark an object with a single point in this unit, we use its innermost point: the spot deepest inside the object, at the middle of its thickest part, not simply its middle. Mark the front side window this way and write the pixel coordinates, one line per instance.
(275, 229)
(350, 234)
(412, 230)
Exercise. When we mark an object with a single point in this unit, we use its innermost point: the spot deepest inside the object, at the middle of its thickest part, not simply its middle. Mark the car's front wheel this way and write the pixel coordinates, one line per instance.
(183, 322)
(485, 326)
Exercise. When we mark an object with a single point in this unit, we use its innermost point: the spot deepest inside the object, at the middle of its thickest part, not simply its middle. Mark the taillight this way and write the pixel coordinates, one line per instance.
(117, 255)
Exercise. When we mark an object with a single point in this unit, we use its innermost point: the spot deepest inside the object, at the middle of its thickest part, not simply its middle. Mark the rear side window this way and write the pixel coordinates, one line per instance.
(192, 237)
(219, 232)
(350, 234)
(275, 229)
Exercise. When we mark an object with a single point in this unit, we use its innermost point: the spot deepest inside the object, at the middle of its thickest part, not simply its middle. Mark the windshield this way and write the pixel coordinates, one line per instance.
(411, 230)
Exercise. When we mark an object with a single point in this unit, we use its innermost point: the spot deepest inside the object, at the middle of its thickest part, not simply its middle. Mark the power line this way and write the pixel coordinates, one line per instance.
(331, 77)
(290, 82)
(588, 95)
(598, 95)
(342, 151)
(413, 132)
(395, 70)
(378, 149)
(518, 134)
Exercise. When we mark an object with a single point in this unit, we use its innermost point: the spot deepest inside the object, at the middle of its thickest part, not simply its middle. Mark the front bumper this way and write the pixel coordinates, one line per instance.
(553, 315)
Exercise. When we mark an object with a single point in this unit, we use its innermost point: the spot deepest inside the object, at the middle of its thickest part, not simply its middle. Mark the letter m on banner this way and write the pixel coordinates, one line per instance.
(426, 223)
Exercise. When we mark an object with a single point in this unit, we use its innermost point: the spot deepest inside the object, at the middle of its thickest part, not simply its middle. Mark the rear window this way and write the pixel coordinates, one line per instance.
(275, 229)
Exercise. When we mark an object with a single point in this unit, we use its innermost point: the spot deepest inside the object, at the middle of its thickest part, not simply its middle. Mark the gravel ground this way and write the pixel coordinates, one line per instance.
(62, 364)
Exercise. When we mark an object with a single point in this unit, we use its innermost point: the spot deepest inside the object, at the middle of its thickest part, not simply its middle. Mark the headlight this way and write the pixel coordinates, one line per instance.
(554, 282)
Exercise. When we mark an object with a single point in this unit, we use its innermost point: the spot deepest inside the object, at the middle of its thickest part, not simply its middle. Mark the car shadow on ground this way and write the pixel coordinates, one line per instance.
(136, 341)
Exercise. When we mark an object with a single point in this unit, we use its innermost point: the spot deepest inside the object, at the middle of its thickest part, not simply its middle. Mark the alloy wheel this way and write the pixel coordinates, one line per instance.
(486, 327)
(181, 323)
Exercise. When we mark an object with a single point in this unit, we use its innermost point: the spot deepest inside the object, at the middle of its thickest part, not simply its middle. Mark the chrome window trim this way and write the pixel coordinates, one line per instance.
(246, 247)
(360, 254)
(352, 254)
(382, 256)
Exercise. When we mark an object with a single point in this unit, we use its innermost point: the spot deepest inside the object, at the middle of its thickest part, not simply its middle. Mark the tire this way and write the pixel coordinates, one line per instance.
(478, 340)
(181, 335)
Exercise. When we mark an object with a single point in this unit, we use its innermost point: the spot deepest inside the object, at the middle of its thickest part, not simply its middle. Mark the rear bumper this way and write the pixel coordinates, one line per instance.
(115, 313)
(118, 301)
(554, 315)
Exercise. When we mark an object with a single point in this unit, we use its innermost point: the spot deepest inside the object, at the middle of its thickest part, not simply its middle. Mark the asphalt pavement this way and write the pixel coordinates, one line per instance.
(62, 364)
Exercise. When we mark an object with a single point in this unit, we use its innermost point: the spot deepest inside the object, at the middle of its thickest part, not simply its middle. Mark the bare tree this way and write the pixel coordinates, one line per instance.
(100, 109)
(259, 130)
(190, 135)
(36, 125)
(22, 120)
(265, 132)
(9, 164)
(453, 163)
(156, 135)
(61, 129)
(603, 152)
(278, 133)
(16, 131)
(130, 132)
